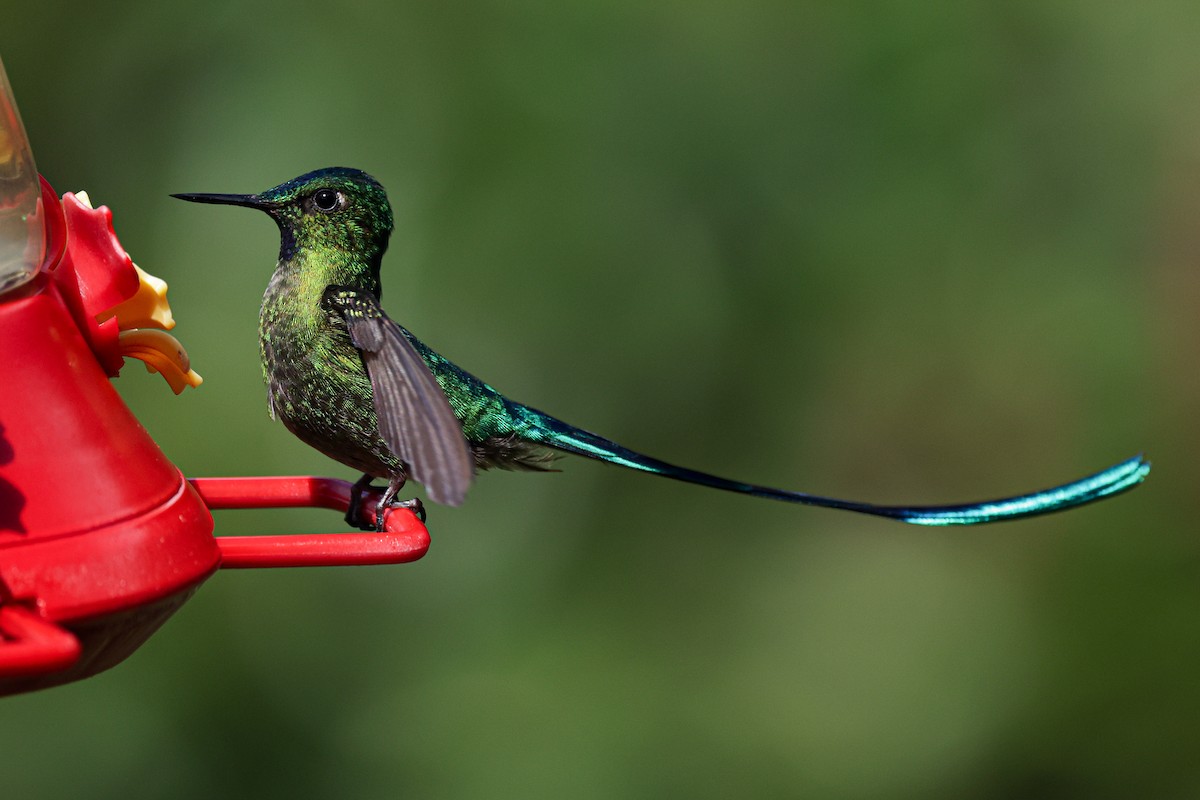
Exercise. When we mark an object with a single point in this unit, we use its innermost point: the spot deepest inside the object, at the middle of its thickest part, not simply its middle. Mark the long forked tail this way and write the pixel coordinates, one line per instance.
(550, 432)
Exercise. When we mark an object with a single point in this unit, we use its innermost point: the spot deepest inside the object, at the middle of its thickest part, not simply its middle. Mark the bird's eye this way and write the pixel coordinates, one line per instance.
(328, 200)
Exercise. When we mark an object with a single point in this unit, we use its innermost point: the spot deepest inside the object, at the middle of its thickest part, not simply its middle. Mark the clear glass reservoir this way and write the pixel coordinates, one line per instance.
(22, 241)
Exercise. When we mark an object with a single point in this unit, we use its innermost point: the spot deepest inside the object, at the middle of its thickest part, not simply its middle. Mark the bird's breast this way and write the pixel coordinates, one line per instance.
(318, 386)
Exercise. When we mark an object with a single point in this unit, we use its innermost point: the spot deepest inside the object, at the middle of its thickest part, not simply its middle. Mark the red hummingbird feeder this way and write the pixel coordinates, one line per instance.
(101, 536)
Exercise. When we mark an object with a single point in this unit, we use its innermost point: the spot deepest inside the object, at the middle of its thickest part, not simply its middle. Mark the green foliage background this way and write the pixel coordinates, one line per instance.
(895, 251)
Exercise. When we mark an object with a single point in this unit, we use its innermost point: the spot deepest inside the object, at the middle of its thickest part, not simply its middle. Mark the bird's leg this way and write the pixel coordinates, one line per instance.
(354, 516)
(395, 484)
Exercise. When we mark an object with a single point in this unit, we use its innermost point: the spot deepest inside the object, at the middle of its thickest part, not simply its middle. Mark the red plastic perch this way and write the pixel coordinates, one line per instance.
(403, 539)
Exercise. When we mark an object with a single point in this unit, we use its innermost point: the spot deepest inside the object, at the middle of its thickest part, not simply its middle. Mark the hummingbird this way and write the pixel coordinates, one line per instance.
(359, 387)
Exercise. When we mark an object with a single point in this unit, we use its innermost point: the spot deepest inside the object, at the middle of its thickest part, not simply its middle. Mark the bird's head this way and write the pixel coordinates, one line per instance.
(333, 209)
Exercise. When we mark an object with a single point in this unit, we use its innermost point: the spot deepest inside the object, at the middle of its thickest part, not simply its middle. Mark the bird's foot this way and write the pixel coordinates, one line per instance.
(354, 515)
(414, 505)
(357, 520)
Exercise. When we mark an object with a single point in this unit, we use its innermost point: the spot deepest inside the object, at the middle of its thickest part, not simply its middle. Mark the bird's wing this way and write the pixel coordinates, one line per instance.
(415, 418)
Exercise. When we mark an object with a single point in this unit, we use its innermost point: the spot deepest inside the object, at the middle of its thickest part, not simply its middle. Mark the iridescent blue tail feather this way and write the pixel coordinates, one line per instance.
(543, 429)
(1114, 480)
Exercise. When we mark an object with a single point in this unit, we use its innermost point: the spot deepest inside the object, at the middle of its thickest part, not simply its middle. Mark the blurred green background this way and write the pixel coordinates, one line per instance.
(909, 252)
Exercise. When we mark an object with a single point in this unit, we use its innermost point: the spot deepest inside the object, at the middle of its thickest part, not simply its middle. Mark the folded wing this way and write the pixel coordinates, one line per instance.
(415, 418)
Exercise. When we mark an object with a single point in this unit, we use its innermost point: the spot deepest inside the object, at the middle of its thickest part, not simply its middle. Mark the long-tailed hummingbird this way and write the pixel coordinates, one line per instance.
(351, 382)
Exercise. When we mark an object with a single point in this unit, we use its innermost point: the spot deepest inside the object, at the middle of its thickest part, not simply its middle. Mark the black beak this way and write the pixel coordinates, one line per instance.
(248, 200)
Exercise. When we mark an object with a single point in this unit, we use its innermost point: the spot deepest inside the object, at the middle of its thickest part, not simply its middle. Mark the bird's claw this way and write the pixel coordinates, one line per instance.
(354, 515)
(414, 505)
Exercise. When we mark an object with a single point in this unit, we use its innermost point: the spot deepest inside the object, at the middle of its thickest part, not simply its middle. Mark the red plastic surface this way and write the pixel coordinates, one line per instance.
(32, 645)
(403, 539)
(93, 273)
(68, 433)
(100, 536)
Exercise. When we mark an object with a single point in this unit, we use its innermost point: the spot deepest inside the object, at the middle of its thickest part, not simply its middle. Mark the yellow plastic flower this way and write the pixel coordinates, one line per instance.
(143, 321)
(162, 353)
